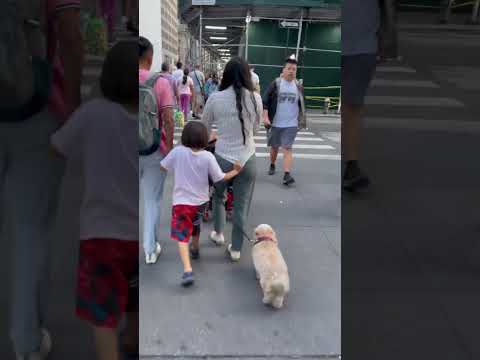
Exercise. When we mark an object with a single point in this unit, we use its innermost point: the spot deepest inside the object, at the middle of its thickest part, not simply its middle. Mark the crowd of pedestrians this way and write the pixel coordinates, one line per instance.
(226, 110)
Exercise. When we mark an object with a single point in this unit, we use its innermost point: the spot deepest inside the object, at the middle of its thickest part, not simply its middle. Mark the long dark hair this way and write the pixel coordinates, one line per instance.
(185, 76)
(237, 74)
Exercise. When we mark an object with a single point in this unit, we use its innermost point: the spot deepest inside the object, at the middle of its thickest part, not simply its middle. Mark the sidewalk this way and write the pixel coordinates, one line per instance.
(223, 316)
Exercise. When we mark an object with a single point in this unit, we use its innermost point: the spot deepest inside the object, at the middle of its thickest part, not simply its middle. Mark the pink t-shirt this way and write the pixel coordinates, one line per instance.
(192, 171)
(165, 98)
(185, 89)
(57, 103)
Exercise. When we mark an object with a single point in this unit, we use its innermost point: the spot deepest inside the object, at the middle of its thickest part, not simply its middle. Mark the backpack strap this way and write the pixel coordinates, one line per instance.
(153, 80)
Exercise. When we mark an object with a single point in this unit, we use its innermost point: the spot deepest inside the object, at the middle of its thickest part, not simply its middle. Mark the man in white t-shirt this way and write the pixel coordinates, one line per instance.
(178, 74)
(284, 114)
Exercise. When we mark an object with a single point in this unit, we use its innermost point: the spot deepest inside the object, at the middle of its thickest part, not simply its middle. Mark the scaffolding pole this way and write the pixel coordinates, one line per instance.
(300, 29)
(476, 8)
(246, 35)
(201, 35)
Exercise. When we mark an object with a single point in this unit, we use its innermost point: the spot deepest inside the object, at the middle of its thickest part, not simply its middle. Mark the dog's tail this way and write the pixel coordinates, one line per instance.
(278, 288)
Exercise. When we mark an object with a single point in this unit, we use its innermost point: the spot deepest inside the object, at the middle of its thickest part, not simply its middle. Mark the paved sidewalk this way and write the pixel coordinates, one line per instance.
(222, 316)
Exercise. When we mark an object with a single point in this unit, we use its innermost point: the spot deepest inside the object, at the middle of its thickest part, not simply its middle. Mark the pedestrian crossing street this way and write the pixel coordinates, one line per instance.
(308, 145)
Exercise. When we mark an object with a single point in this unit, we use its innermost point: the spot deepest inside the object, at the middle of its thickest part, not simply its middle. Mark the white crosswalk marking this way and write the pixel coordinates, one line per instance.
(404, 83)
(412, 101)
(396, 69)
(306, 146)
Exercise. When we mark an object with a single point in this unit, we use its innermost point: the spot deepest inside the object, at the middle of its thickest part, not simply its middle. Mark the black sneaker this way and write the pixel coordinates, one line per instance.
(194, 254)
(187, 279)
(354, 179)
(288, 180)
(271, 171)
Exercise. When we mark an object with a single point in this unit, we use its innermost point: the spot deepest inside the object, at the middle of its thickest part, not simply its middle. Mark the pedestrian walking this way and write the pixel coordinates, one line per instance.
(255, 79)
(106, 9)
(211, 85)
(360, 48)
(152, 179)
(235, 110)
(284, 114)
(199, 97)
(107, 273)
(39, 90)
(193, 167)
(178, 73)
(166, 73)
(186, 91)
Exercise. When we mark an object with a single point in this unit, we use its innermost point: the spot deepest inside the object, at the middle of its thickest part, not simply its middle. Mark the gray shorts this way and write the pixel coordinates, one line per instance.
(282, 137)
(357, 73)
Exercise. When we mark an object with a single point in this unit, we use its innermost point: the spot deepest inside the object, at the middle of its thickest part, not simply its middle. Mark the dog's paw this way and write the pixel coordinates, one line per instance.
(277, 303)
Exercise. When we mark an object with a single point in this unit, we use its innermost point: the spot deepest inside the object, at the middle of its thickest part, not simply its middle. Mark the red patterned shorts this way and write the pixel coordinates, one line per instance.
(107, 283)
(186, 220)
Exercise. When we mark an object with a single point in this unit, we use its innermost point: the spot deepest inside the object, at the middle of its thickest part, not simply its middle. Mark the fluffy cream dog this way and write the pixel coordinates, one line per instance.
(270, 266)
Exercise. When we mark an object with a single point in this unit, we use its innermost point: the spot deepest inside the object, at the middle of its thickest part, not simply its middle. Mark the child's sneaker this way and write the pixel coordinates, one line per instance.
(234, 255)
(218, 239)
(152, 258)
(187, 279)
(43, 352)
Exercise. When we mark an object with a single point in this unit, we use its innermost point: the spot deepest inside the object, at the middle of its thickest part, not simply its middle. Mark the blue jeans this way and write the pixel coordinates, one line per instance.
(30, 179)
(152, 181)
(243, 187)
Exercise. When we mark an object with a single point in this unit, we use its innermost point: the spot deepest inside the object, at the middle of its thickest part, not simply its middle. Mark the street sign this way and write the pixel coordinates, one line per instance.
(289, 24)
(203, 2)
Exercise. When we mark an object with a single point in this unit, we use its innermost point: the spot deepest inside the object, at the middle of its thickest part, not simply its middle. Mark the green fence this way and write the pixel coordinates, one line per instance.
(319, 57)
(436, 5)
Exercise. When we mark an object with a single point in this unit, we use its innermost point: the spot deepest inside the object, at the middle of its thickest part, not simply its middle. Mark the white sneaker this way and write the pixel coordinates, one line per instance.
(234, 255)
(218, 239)
(43, 352)
(152, 258)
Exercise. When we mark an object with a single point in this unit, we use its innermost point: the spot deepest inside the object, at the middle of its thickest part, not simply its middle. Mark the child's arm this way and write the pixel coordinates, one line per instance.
(169, 161)
(231, 174)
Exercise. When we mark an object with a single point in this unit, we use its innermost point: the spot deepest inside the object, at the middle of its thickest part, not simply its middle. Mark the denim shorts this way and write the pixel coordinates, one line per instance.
(357, 73)
(282, 137)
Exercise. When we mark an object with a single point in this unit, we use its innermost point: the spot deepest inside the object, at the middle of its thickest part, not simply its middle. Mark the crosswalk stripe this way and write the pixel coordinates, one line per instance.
(404, 83)
(264, 131)
(413, 101)
(302, 146)
(295, 146)
(298, 138)
(396, 69)
(92, 71)
(299, 133)
(304, 156)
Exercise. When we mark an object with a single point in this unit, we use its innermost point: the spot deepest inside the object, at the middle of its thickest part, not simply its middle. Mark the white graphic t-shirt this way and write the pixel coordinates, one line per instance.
(287, 107)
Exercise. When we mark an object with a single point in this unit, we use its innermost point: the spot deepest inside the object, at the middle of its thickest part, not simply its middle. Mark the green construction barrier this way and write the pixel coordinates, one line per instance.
(319, 63)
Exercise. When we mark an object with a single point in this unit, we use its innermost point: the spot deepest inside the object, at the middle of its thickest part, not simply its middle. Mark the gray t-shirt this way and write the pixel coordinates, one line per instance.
(360, 25)
(287, 107)
(198, 83)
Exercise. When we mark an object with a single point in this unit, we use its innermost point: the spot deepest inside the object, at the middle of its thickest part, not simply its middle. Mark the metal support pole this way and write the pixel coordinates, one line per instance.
(246, 36)
(475, 11)
(201, 35)
(300, 29)
(446, 11)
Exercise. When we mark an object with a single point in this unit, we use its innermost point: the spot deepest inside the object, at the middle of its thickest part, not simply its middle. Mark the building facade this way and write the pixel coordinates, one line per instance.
(170, 38)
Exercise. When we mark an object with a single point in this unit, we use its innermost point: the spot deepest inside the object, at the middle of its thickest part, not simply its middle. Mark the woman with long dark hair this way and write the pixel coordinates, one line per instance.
(186, 91)
(235, 110)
